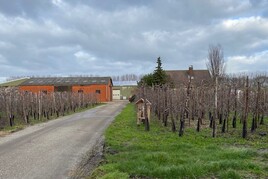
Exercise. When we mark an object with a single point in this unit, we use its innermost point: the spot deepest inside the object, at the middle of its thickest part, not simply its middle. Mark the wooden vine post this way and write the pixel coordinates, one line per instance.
(244, 132)
(256, 114)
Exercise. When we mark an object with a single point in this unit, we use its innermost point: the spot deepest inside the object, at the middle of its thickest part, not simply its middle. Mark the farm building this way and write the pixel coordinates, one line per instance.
(181, 77)
(102, 86)
(124, 89)
(123, 92)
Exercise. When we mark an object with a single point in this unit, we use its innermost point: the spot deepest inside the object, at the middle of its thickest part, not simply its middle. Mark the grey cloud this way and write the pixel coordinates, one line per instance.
(26, 8)
(123, 36)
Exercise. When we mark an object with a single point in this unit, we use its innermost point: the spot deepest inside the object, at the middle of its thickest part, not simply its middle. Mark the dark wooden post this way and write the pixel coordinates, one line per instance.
(245, 116)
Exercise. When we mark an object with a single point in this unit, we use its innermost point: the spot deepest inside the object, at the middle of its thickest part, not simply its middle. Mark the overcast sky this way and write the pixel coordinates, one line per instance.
(115, 37)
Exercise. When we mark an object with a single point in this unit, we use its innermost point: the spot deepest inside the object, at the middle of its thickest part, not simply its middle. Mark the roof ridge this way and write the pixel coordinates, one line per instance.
(188, 70)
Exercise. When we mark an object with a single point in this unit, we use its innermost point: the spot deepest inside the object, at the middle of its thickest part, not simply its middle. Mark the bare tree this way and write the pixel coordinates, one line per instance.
(216, 63)
(216, 67)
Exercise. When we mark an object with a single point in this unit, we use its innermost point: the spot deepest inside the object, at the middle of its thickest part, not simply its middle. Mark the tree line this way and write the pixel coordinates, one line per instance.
(124, 77)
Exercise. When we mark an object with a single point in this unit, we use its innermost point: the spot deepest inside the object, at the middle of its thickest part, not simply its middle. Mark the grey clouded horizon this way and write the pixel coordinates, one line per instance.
(60, 37)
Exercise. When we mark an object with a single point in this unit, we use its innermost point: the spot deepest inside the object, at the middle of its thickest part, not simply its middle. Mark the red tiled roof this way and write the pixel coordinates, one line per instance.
(180, 77)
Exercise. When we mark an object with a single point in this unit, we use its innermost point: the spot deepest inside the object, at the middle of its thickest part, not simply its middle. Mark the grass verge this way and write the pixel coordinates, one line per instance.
(131, 152)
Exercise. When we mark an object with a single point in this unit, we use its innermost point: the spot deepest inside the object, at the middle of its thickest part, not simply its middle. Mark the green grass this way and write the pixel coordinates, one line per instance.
(131, 152)
(13, 83)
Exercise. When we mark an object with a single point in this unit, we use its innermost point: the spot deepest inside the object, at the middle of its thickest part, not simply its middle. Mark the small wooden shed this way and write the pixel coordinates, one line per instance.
(141, 103)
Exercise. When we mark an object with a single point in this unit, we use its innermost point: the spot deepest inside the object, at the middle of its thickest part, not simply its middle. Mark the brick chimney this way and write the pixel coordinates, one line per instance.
(191, 71)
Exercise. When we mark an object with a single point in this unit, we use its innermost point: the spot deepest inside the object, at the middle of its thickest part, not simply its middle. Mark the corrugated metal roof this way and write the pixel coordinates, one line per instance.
(65, 81)
(125, 83)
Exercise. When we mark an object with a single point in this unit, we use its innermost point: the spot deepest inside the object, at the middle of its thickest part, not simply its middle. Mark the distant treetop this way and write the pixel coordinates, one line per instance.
(158, 77)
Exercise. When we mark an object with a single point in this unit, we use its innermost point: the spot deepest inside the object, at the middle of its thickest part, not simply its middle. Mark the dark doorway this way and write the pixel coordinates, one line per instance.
(63, 88)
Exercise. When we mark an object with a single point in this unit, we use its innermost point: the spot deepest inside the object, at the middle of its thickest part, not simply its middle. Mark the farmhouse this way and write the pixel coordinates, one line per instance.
(102, 86)
(181, 77)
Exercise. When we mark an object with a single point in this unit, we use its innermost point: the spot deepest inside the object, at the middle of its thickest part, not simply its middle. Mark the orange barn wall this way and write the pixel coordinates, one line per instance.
(105, 90)
(104, 96)
(36, 89)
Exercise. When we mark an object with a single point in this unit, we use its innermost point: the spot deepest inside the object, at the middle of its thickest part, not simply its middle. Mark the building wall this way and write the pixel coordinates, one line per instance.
(36, 89)
(105, 91)
(104, 96)
(116, 94)
(125, 91)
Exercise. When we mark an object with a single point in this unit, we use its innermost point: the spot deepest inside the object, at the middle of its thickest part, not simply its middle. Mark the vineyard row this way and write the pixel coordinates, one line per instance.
(26, 106)
(236, 100)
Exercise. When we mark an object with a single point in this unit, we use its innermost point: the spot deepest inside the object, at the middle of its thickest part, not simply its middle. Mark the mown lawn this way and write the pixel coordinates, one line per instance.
(131, 152)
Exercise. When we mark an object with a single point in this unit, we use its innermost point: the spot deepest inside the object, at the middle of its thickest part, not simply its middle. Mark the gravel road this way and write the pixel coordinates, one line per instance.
(54, 149)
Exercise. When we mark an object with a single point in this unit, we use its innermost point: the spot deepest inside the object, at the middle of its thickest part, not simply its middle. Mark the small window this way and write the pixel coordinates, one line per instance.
(26, 92)
(80, 91)
(98, 92)
(44, 91)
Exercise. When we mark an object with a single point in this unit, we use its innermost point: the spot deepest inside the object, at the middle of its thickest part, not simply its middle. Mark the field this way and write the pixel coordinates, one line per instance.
(132, 152)
(13, 83)
(19, 109)
(19, 124)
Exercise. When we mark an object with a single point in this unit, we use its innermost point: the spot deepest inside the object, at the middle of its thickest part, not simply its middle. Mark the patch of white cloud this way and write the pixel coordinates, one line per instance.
(237, 6)
(243, 59)
(258, 43)
(58, 3)
(244, 23)
(6, 45)
(121, 64)
(8, 24)
(2, 59)
(241, 63)
(84, 57)
(26, 26)
(154, 37)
